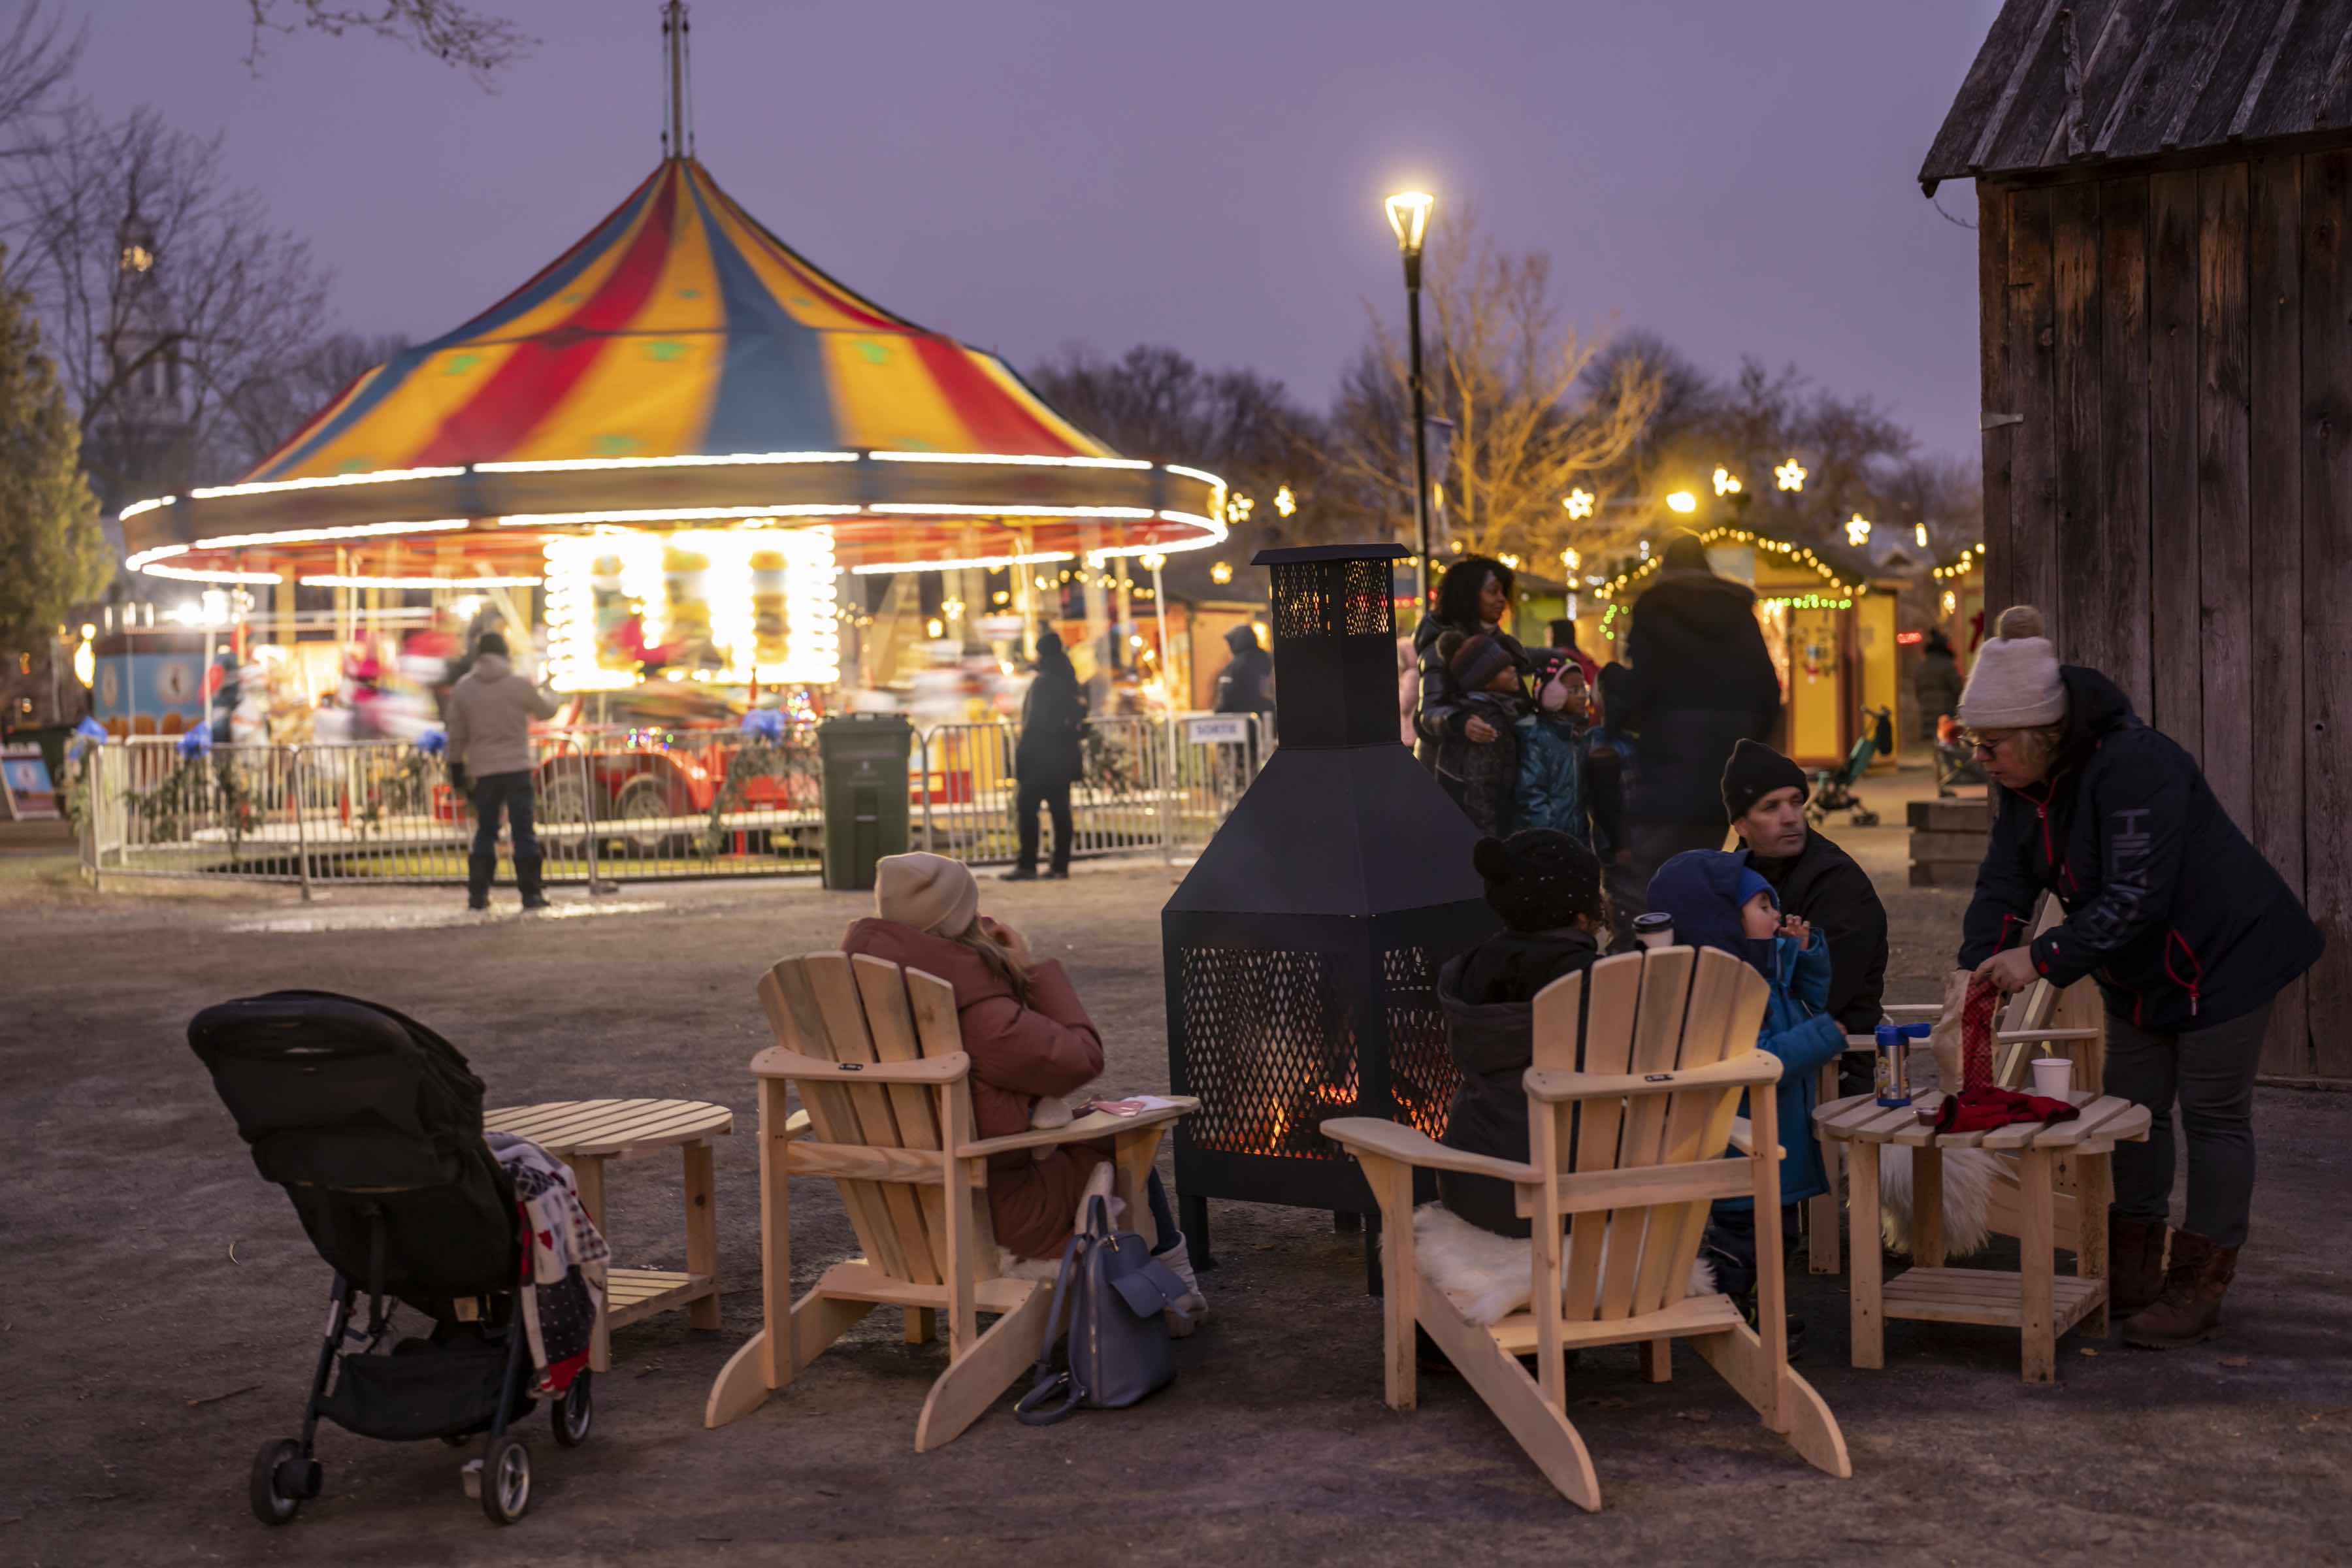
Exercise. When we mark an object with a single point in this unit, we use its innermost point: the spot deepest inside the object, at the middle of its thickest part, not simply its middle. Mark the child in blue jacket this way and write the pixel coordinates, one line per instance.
(1717, 899)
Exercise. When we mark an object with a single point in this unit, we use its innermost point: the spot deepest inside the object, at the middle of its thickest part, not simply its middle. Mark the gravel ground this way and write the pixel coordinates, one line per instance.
(162, 1306)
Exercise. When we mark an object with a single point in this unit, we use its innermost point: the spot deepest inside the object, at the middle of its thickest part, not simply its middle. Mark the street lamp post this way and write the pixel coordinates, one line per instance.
(1409, 217)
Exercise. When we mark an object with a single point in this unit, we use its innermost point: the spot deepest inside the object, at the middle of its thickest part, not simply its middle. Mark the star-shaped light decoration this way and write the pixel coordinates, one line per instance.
(1791, 475)
(1726, 484)
(1238, 506)
(1857, 531)
(1220, 573)
(1580, 503)
(1571, 559)
(1285, 503)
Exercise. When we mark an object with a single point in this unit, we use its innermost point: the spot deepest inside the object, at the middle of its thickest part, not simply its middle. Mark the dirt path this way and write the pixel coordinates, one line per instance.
(125, 1320)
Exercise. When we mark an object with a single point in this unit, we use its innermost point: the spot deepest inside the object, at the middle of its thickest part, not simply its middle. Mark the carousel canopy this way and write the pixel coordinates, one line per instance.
(677, 368)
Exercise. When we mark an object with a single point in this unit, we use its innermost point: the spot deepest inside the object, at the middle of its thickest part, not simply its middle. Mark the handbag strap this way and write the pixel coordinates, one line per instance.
(1032, 1409)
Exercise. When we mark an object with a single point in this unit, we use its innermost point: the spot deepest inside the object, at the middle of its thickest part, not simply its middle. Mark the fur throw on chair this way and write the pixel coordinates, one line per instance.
(1969, 1177)
(1486, 1276)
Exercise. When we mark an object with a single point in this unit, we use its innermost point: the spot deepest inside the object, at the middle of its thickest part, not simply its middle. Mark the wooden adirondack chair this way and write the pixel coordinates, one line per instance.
(1627, 1155)
(878, 1056)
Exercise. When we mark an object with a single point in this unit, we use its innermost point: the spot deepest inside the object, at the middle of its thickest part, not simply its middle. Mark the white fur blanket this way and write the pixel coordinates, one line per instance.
(1487, 1275)
(1969, 1175)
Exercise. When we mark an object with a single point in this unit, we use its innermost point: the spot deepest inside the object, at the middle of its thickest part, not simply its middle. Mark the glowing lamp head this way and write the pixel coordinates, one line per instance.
(1409, 217)
(1682, 501)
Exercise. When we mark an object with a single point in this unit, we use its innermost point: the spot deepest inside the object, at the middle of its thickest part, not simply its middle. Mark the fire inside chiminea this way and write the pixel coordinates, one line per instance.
(1302, 951)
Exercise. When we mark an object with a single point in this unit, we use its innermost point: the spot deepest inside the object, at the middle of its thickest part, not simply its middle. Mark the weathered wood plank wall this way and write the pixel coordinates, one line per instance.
(2177, 494)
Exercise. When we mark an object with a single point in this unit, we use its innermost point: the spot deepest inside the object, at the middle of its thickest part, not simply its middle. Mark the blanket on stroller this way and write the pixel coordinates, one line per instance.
(568, 1260)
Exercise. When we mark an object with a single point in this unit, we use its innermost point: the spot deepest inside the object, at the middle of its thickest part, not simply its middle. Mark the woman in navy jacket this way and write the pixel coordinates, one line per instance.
(2185, 926)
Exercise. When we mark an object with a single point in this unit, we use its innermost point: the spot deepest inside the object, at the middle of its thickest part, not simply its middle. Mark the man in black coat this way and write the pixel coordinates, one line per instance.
(1049, 756)
(1245, 685)
(1702, 683)
(1764, 793)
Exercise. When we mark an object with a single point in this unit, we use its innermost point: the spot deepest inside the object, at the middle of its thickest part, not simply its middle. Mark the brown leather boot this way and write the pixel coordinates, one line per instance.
(2189, 1310)
(2134, 1264)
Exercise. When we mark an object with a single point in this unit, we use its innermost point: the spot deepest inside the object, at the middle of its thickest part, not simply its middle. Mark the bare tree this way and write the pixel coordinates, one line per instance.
(1511, 376)
(36, 59)
(277, 402)
(461, 34)
(144, 262)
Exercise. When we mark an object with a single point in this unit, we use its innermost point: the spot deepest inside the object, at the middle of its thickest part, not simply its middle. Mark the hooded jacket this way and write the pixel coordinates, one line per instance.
(1050, 752)
(1440, 716)
(489, 722)
(1702, 683)
(1488, 994)
(1822, 883)
(2182, 920)
(1568, 780)
(1700, 889)
(1020, 1052)
(1243, 684)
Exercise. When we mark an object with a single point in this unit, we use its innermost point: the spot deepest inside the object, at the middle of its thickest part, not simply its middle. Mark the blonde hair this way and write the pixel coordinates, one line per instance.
(999, 958)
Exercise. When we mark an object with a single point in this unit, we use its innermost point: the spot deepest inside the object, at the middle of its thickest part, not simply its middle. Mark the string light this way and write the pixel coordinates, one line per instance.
(1797, 554)
(324, 481)
(1578, 503)
(681, 460)
(1007, 460)
(973, 563)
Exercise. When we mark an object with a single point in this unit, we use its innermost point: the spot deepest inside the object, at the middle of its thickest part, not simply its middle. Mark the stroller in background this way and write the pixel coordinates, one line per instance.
(1956, 759)
(1833, 787)
(372, 1123)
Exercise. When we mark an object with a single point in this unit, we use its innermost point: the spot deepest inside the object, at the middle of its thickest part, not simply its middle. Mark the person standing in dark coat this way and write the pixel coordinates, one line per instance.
(1936, 683)
(2187, 929)
(1473, 596)
(1245, 684)
(1764, 792)
(1049, 757)
(1547, 887)
(1702, 683)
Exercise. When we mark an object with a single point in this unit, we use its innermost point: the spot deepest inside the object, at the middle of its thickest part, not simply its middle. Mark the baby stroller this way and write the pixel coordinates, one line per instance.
(372, 1123)
(1956, 758)
(1833, 787)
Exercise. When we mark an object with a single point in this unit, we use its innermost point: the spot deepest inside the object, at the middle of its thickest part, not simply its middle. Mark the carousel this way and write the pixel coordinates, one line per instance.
(682, 453)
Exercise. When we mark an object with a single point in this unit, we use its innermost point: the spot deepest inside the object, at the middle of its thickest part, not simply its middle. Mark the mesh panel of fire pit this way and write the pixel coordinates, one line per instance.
(1271, 1053)
(1422, 1075)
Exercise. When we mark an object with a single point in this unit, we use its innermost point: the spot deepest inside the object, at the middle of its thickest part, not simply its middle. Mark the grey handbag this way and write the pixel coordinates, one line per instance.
(1118, 1350)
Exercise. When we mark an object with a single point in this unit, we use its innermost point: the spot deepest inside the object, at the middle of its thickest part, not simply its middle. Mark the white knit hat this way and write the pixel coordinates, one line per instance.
(930, 892)
(2015, 683)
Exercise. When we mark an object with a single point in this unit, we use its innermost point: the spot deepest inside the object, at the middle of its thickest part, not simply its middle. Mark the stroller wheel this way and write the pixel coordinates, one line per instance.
(574, 1414)
(276, 1488)
(505, 1478)
(1862, 818)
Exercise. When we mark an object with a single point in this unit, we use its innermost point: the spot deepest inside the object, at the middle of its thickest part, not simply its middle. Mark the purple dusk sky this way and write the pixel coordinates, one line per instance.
(1023, 174)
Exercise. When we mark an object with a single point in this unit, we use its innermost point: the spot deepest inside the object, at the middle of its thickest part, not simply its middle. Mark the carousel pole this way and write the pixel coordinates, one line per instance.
(673, 41)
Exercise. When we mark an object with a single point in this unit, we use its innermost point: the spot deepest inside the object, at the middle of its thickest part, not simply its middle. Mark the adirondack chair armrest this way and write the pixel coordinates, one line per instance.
(778, 1062)
(1743, 1138)
(1086, 1129)
(1748, 1068)
(1370, 1135)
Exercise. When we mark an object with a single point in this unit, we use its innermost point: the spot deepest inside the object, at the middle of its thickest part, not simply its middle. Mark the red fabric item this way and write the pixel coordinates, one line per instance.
(1982, 1110)
(1976, 1033)
(1018, 1054)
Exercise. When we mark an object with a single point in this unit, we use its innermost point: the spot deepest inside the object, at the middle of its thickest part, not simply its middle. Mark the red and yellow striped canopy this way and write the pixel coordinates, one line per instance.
(678, 325)
(681, 365)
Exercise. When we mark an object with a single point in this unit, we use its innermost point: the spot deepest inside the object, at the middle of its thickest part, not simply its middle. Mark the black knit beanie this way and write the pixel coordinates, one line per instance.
(1754, 771)
(1482, 658)
(1539, 879)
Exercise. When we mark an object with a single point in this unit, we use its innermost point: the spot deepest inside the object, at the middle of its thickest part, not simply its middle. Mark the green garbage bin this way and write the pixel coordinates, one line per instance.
(864, 758)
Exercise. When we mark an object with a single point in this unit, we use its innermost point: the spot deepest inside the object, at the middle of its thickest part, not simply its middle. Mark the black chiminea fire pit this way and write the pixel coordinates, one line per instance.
(1302, 951)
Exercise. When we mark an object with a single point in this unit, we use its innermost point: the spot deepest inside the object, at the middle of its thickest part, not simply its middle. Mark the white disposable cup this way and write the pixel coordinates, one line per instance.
(2053, 1077)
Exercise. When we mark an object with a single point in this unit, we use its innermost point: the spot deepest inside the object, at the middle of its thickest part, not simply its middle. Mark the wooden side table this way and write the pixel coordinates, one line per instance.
(2035, 1300)
(583, 1134)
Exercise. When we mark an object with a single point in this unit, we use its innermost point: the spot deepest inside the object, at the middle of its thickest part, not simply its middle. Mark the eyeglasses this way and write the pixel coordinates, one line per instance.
(1985, 745)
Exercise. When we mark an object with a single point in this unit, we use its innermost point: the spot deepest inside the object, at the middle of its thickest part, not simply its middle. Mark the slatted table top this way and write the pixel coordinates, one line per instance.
(2104, 1121)
(617, 1127)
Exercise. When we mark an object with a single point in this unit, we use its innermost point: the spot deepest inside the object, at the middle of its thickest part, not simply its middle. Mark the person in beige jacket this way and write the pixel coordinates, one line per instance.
(491, 711)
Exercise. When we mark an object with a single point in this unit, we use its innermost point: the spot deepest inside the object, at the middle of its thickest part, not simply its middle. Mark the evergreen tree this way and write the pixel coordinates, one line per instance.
(53, 553)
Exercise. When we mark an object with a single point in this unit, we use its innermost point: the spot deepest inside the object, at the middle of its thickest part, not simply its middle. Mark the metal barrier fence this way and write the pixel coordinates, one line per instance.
(616, 805)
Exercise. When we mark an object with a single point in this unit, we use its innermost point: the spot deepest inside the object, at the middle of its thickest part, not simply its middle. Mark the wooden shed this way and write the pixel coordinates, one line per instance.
(2166, 312)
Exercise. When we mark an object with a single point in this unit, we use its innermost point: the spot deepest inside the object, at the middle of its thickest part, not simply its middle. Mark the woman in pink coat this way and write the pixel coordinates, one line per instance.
(1028, 1037)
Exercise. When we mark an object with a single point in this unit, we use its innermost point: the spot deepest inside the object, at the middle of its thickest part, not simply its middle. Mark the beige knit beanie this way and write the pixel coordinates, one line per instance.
(930, 892)
(2015, 683)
